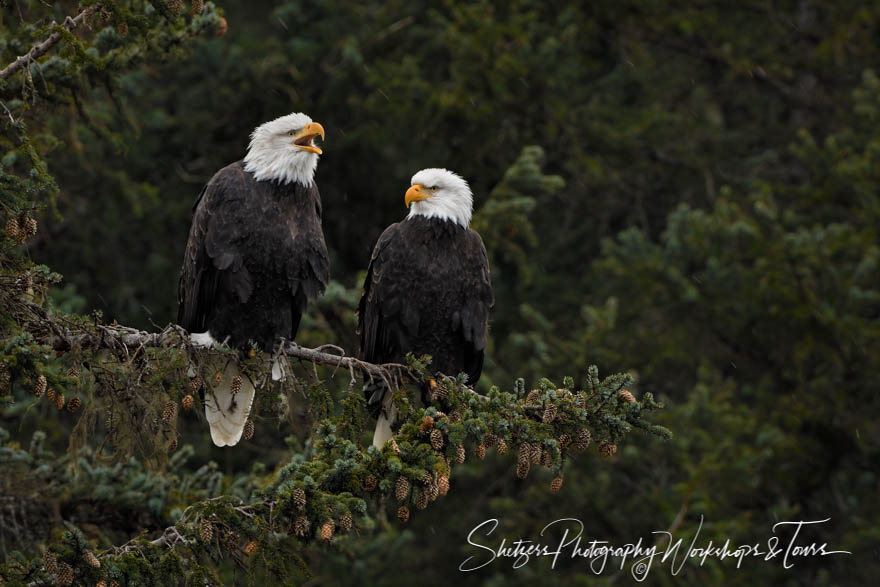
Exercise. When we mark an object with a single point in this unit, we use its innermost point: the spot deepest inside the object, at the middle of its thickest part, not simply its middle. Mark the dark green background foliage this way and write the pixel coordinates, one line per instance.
(685, 190)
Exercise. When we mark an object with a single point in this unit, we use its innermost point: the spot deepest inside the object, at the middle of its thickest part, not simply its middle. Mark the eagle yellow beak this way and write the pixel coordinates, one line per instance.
(417, 193)
(304, 139)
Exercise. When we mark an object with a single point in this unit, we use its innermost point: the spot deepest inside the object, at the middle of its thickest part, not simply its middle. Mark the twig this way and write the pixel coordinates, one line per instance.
(42, 48)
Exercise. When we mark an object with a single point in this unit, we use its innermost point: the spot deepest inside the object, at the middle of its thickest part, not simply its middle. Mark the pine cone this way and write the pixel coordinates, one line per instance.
(533, 397)
(627, 396)
(394, 446)
(187, 402)
(535, 454)
(460, 454)
(301, 526)
(327, 530)
(580, 400)
(436, 439)
(175, 6)
(196, 7)
(230, 540)
(549, 413)
(169, 412)
(607, 449)
(433, 491)
(556, 484)
(432, 390)
(345, 522)
(426, 425)
(524, 454)
(195, 383)
(546, 457)
(206, 531)
(422, 499)
(250, 548)
(64, 574)
(40, 387)
(583, 440)
(59, 401)
(50, 562)
(401, 488)
(248, 431)
(299, 498)
(455, 416)
(218, 378)
(370, 482)
(222, 27)
(12, 229)
(74, 404)
(29, 227)
(73, 372)
(443, 485)
(480, 451)
(564, 440)
(122, 29)
(491, 439)
(236, 385)
(90, 558)
(172, 446)
(403, 513)
(426, 478)
(501, 446)
(522, 469)
(101, 583)
(5, 378)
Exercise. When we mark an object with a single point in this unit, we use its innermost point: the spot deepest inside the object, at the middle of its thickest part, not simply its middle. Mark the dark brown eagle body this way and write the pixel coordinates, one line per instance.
(427, 291)
(255, 255)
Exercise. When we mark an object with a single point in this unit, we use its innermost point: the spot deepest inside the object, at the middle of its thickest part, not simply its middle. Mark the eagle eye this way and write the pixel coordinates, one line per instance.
(434, 188)
(290, 133)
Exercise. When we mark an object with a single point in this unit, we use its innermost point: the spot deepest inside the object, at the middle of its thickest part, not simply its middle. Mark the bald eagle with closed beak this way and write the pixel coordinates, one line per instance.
(427, 289)
(254, 257)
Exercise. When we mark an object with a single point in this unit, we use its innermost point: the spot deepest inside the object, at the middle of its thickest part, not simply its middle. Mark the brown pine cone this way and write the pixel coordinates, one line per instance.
(401, 488)
(627, 396)
(480, 451)
(250, 548)
(40, 386)
(301, 526)
(345, 522)
(74, 404)
(556, 485)
(206, 531)
(299, 498)
(426, 425)
(169, 412)
(248, 431)
(564, 440)
(370, 482)
(443, 485)
(583, 439)
(549, 413)
(533, 397)
(501, 446)
(607, 449)
(236, 385)
(327, 530)
(222, 27)
(522, 469)
(403, 513)
(187, 402)
(12, 229)
(436, 439)
(460, 454)
(422, 499)
(196, 7)
(92, 560)
(195, 383)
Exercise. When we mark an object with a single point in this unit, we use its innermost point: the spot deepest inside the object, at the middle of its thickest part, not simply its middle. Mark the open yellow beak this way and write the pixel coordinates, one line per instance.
(417, 193)
(304, 139)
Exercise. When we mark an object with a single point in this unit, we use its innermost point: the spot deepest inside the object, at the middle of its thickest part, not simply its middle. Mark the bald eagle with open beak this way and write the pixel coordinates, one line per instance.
(254, 257)
(427, 289)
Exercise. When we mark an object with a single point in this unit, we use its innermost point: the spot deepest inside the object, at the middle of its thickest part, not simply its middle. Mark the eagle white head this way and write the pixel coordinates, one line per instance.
(284, 150)
(440, 193)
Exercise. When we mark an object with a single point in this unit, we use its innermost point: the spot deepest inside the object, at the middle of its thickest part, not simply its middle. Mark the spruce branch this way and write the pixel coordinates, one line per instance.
(43, 47)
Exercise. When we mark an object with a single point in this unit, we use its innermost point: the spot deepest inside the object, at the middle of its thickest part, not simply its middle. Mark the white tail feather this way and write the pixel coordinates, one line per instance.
(227, 413)
(386, 417)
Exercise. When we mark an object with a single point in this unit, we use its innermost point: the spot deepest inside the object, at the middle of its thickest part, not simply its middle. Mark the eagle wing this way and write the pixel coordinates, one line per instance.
(473, 318)
(213, 266)
(389, 317)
